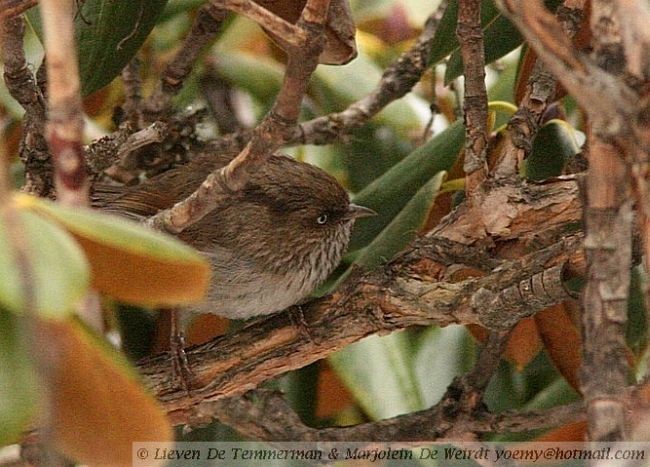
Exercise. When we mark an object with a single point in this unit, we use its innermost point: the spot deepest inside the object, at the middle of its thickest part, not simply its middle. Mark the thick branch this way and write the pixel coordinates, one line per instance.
(267, 416)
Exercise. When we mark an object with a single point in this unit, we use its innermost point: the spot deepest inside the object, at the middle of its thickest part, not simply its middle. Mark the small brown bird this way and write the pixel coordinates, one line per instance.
(270, 245)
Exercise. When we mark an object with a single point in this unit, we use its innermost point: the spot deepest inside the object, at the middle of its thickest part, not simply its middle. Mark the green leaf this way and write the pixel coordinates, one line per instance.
(18, 383)
(128, 261)
(108, 33)
(403, 228)
(553, 146)
(636, 329)
(378, 373)
(389, 194)
(371, 151)
(60, 270)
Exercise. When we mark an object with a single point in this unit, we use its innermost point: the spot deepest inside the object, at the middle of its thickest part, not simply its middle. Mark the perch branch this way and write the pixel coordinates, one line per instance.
(412, 290)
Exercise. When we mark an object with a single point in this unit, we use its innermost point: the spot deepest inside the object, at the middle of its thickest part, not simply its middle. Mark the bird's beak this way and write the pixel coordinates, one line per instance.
(355, 211)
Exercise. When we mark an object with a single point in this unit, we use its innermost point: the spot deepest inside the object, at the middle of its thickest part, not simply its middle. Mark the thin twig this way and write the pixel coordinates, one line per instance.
(65, 113)
(13, 8)
(396, 81)
(294, 35)
(127, 160)
(206, 25)
(64, 129)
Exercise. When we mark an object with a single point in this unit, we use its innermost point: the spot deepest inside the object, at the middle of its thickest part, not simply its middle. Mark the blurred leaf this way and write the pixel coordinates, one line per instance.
(576, 431)
(553, 146)
(108, 34)
(99, 408)
(523, 344)
(61, 273)
(441, 354)
(392, 191)
(557, 392)
(378, 373)
(176, 7)
(511, 389)
(260, 76)
(18, 384)
(403, 227)
(129, 262)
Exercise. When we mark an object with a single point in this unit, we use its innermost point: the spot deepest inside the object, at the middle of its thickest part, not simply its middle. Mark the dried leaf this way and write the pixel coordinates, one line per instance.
(562, 341)
(523, 345)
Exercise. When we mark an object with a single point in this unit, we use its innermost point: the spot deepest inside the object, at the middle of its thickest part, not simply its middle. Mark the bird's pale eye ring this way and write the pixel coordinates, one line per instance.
(322, 219)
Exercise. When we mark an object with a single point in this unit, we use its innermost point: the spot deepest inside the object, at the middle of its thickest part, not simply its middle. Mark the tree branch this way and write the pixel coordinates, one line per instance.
(470, 37)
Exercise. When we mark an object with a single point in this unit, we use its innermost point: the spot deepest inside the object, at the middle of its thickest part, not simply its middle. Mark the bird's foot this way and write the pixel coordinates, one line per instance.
(297, 317)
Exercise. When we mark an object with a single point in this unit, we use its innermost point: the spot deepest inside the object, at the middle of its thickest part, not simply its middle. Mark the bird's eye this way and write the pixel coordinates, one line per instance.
(322, 219)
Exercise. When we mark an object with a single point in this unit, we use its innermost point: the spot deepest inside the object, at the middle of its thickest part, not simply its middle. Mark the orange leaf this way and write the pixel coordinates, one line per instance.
(576, 431)
(562, 341)
(98, 406)
(135, 278)
(524, 343)
(332, 395)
